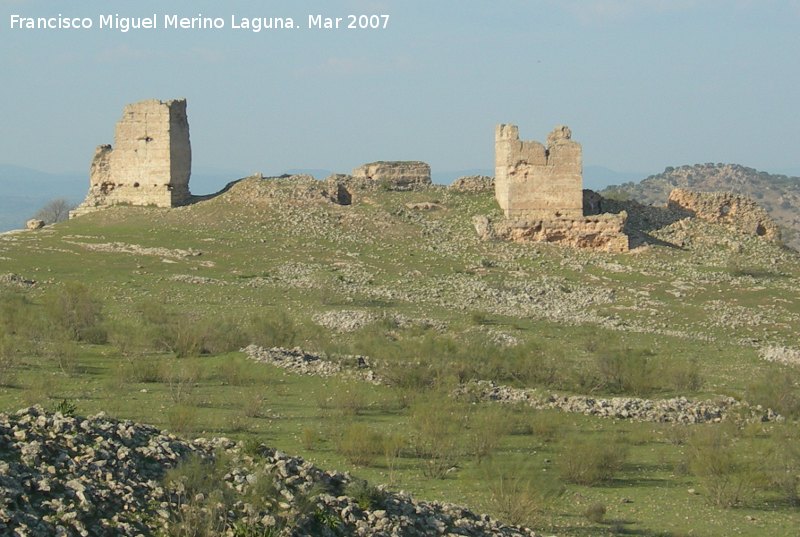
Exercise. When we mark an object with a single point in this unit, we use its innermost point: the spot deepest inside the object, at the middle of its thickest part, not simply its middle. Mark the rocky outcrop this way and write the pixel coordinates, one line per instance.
(34, 224)
(734, 211)
(95, 476)
(779, 195)
(150, 162)
(396, 175)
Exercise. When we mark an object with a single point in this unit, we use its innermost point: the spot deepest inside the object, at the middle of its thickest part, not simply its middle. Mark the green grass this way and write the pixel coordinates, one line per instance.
(566, 308)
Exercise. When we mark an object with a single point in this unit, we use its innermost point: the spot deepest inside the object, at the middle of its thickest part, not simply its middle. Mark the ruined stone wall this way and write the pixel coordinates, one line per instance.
(150, 163)
(534, 181)
(604, 232)
(396, 174)
(731, 210)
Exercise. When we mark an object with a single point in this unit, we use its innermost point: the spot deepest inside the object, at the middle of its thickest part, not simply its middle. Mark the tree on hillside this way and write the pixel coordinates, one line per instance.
(56, 210)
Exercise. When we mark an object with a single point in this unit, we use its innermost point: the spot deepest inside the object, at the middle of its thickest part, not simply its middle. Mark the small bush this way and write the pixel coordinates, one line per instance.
(275, 331)
(589, 461)
(78, 313)
(203, 498)
(627, 371)
(521, 496)
(360, 444)
(714, 460)
(777, 388)
(310, 438)
(546, 425)
(683, 375)
(781, 465)
(485, 431)
(253, 405)
(8, 359)
(182, 419)
(438, 423)
(368, 497)
(596, 513)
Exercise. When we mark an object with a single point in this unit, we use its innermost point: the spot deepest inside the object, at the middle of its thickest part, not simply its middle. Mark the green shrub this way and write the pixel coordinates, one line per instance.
(627, 371)
(438, 423)
(781, 464)
(368, 497)
(253, 405)
(181, 379)
(485, 431)
(596, 513)
(182, 419)
(521, 495)
(8, 359)
(712, 457)
(589, 461)
(360, 444)
(78, 313)
(16, 314)
(278, 330)
(777, 388)
(682, 375)
(203, 498)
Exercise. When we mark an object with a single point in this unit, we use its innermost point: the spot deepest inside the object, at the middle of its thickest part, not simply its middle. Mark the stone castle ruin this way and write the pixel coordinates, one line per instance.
(540, 190)
(534, 181)
(539, 187)
(398, 175)
(150, 163)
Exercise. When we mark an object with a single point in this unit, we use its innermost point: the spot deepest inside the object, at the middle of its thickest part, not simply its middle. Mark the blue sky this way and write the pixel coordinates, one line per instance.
(643, 84)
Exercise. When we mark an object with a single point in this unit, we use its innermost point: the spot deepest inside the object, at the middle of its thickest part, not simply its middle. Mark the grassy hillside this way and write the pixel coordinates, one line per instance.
(779, 195)
(172, 294)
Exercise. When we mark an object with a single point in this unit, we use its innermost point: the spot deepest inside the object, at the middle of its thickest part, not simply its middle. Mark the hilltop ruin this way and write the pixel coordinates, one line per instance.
(150, 163)
(540, 190)
(398, 175)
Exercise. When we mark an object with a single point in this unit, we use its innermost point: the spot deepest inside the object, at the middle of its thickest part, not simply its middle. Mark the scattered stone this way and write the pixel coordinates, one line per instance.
(64, 475)
(16, 280)
(781, 355)
(674, 410)
(344, 320)
(34, 224)
(424, 206)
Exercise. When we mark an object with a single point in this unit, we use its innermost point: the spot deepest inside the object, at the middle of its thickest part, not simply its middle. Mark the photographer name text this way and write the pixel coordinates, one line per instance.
(156, 21)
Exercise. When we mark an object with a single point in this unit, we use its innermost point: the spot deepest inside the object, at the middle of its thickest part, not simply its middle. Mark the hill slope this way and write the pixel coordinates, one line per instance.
(779, 195)
(401, 281)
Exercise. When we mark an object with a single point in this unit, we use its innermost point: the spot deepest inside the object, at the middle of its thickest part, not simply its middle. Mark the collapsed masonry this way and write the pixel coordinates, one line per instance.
(734, 211)
(396, 175)
(150, 163)
(540, 189)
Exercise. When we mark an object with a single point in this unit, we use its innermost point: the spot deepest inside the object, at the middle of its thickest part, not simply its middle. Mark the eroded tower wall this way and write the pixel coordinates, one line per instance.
(151, 161)
(534, 181)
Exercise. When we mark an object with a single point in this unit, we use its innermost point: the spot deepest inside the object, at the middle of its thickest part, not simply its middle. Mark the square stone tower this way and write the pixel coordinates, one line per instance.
(151, 162)
(537, 182)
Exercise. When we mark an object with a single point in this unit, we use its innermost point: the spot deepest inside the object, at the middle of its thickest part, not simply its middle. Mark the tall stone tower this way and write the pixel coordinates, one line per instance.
(150, 163)
(537, 182)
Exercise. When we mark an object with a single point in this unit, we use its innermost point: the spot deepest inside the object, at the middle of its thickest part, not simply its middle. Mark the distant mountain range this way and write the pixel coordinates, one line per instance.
(779, 195)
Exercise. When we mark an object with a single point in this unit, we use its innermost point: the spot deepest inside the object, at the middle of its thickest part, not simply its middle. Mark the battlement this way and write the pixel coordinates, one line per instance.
(537, 181)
